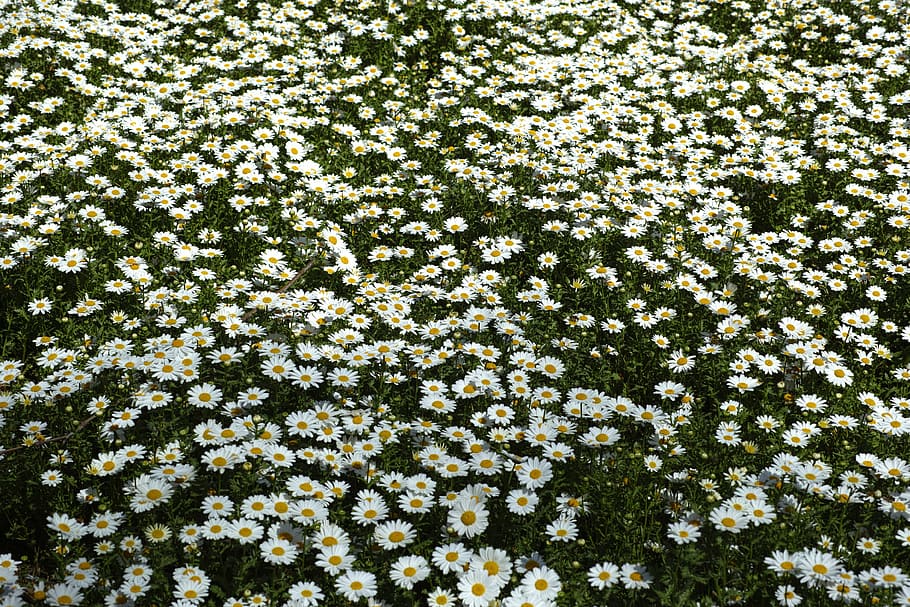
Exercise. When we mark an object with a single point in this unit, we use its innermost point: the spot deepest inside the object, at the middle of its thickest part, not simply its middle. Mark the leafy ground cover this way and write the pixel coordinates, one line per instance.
(468, 302)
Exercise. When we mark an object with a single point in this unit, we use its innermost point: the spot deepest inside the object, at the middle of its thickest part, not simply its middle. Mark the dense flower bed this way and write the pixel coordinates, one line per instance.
(468, 302)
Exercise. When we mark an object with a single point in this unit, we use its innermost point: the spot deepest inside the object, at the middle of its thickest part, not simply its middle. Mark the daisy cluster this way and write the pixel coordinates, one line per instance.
(464, 302)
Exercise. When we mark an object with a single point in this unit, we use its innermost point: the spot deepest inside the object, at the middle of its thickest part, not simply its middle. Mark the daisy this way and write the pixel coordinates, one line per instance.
(215, 528)
(486, 463)
(131, 589)
(601, 436)
(896, 506)
(277, 367)
(683, 532)
(868, 545)
(759, 512)
(455, 224)
(224, 355)
(466, 388)
(842, 589)
(478, 589)
(795, 438)
(786, 595)
(278, 551)
(223, 458)
(782, 562)
(244, 530)
(157, 533)
(534, 473)
(493, 562)
(547, 260)
(148, 492)
(252, 397)
(279, 506)
(817, 568)
(355, 585)
(306, 594)
(217, 505)
(468, 517)
(743, 383)
(302, 423)
(309, 511)
(279, 455)
(81, 572)
(768, 364)
(64, 594)
(437, 403)
(728, 519)
(105, 524)
(370, 511)
(440, 597)
(394, 534)
(542, 583)
(131, 453)
(903, 536)
(409, 570)
(335, 559)
(255, 507)
(190, 590)
(559, 452)
(451, 467)
(603, 575)
(893, 468)
(189, 534)
(553, 368)
(635, 577)
(40, 306)
(653, 463)
(679, 362)
(330, 535)
(451, 557)
(421, 483)
(811, 403)
(343, 377)
(838, 375)
(563, 529)
(521, 502)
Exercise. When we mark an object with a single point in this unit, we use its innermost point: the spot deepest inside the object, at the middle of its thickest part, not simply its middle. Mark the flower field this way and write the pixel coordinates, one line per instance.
(460, 302)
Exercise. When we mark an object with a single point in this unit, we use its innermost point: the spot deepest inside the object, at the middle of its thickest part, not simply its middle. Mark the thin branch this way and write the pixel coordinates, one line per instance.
(53, 439)
(290, 284)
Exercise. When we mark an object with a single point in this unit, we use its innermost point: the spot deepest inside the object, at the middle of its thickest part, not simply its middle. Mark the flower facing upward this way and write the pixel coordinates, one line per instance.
(409, 570)
(603, 575)
(278, 551)
(355, 585)
(468, 517)
(478, 589)
(306, 594)
(394, 534)
(635, 577)
(542, 583)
